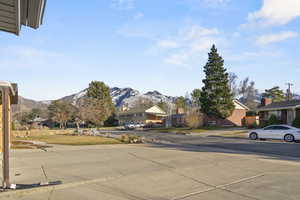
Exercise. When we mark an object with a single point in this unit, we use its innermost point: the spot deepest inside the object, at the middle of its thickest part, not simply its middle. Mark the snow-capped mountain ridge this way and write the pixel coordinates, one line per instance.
(125, 96)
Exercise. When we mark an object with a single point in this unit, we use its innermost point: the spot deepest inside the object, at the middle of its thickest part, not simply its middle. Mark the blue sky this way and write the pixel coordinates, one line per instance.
(153, 45)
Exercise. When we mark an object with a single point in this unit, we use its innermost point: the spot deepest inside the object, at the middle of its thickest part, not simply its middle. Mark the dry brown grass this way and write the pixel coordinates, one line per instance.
(73, 140)
(27, 145)
(39, 132)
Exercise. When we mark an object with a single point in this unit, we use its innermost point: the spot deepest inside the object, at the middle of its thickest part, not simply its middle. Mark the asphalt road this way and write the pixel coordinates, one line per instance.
(276, 148)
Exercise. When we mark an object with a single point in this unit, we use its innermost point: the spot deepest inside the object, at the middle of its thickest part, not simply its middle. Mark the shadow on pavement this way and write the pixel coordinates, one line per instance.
(277, 151)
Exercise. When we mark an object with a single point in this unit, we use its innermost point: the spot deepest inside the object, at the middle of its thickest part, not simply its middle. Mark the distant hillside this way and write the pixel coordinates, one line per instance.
(25, 105)
(126, 96)
(120, 96)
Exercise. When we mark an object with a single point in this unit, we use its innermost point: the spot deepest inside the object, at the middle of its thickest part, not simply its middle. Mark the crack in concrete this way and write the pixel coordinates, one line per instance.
(213, 187)
(149, 160)
(223, 187)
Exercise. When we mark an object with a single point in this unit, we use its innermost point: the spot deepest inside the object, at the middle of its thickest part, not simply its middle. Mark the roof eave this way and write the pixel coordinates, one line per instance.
(6, 84)
(22, 12)
(279, 108)
(241, 104)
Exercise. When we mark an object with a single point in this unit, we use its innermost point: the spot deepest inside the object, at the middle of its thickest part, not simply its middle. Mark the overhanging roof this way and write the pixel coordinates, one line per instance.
(241, 104)
(283, 105)
(15, 13)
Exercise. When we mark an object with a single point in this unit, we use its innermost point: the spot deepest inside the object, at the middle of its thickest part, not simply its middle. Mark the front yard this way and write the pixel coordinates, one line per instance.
(73, 140)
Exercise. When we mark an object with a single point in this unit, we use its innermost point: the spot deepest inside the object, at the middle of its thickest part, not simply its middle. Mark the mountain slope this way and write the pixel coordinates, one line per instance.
(121, 96)
(26, 105)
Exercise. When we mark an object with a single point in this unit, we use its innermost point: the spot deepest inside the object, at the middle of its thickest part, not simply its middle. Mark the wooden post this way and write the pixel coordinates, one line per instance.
(5, 135)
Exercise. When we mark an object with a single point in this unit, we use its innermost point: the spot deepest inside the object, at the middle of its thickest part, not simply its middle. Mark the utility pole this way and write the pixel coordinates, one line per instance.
(289, 91)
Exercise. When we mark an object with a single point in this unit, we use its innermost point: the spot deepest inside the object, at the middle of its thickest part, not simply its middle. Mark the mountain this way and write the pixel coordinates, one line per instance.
(26, 105)
(127, 96)
(120, 96)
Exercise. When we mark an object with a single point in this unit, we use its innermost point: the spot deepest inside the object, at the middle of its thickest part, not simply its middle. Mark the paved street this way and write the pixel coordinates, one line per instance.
(191, 167)
(274, 148)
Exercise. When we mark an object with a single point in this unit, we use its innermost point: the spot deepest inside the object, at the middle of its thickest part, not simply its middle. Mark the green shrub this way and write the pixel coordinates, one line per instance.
(296, 122)
(273, 120)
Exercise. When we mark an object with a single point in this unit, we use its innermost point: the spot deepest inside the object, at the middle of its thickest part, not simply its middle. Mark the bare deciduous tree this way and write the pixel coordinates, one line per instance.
(194, 118)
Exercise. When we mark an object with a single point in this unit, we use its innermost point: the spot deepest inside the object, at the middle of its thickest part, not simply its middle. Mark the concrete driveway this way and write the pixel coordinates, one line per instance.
(155, 171)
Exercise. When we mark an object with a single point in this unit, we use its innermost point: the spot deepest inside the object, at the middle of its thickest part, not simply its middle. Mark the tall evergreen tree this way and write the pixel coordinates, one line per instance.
(216, 98)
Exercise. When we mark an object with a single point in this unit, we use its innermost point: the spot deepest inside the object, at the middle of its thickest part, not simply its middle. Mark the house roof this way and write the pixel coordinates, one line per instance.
(15, 13)
(241, 104)
(283, 105)
(152, 110)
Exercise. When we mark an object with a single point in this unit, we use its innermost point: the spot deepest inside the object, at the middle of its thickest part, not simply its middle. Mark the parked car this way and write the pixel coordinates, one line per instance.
(280, 132)
(129, 126)
(139, 125)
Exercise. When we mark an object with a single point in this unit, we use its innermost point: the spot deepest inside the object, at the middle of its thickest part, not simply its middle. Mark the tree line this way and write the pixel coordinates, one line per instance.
(94, 109)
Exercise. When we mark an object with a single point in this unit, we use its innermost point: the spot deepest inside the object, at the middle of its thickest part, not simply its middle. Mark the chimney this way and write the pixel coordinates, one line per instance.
(266, 101)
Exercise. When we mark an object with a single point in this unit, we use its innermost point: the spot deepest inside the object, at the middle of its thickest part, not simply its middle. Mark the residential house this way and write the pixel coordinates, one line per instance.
(236, 119)
(152, 115)
(285, 111)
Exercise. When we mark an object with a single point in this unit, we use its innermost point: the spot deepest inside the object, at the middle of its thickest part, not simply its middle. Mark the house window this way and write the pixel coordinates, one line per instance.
(277, 113)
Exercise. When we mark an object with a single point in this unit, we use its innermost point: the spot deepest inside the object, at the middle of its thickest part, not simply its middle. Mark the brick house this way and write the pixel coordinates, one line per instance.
(236, 119)
(285, 111)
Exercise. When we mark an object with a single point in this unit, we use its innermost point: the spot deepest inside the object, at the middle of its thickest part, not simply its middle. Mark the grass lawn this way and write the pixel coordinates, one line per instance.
(73, 140)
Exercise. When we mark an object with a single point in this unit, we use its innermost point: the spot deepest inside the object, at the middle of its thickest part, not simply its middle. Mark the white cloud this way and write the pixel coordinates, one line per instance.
(275, 12)
(123, 4)
(187, 45)
(277, 37)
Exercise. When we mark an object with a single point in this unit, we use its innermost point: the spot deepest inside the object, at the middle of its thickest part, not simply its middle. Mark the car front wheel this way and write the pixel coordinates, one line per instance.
(289, 138)
(253, 136)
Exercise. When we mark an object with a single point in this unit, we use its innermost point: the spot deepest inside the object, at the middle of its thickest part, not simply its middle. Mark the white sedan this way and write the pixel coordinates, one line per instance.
(281, 132)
